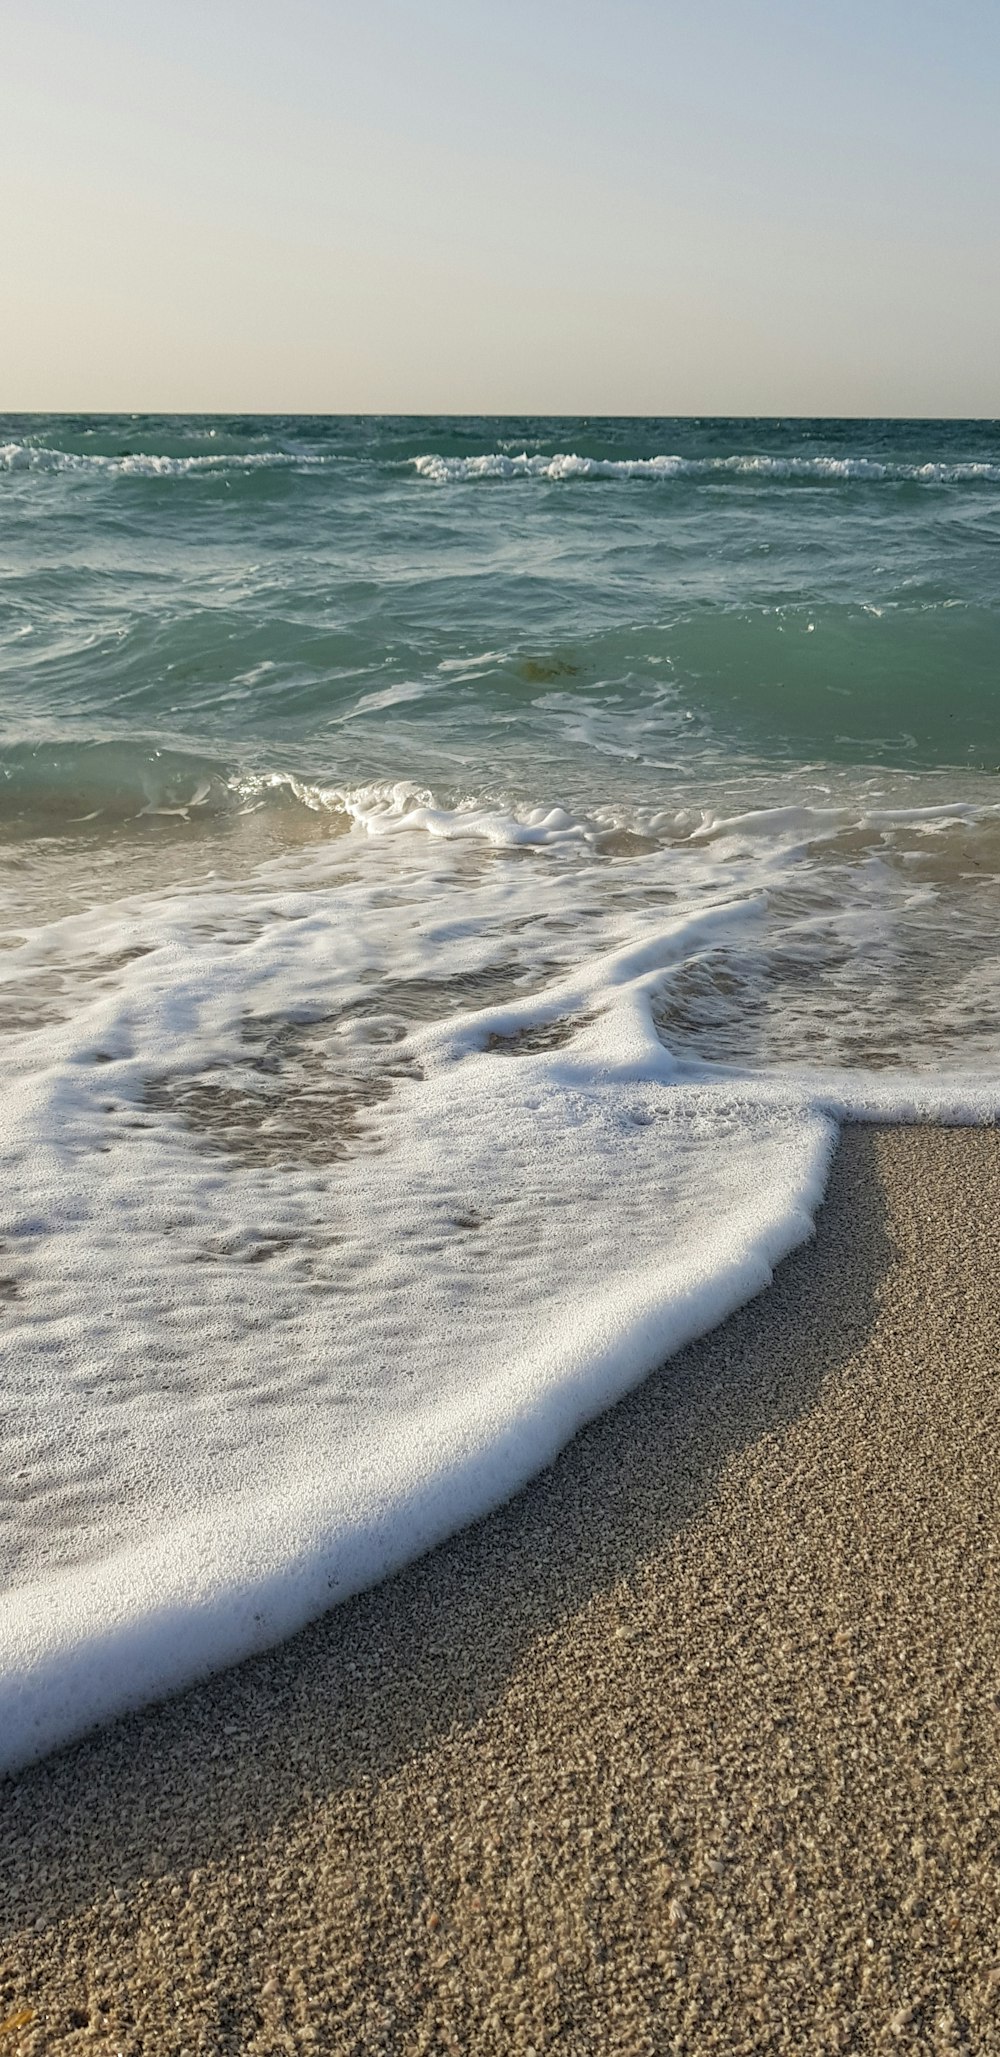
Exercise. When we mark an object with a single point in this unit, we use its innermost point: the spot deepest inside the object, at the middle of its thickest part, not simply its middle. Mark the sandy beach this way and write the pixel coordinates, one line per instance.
(692, 1747)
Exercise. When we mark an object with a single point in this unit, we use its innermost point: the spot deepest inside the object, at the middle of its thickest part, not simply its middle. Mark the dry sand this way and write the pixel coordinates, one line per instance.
(693, 1747)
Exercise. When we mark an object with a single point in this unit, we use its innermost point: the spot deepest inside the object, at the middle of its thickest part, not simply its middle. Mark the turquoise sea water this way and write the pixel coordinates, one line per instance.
(454, 875)
(352, 600)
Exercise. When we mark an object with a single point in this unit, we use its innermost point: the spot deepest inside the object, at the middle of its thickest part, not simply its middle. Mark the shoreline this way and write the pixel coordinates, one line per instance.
(690, 1746)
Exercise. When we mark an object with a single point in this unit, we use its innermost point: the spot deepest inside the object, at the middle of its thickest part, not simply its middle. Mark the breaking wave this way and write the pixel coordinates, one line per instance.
(146, 464)
(497, 464)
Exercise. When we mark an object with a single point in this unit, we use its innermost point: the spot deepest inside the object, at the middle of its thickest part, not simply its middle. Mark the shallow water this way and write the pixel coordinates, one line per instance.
(455, 875)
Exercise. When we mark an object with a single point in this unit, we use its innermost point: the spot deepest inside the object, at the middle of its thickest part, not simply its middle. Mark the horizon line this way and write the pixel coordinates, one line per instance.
(470, 414)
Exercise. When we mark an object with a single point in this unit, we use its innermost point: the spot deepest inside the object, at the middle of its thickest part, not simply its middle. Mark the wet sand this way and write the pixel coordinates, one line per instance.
(693, 1747)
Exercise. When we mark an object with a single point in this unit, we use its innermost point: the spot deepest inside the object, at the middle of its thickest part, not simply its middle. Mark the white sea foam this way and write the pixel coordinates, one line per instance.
(334, 1200)
(146, 464)
(559, 466)
(498, 464)
(399, 809)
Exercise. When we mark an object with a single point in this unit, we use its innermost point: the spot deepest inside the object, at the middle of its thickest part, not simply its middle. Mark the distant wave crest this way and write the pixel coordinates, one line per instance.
(145, 464)
(497, 464)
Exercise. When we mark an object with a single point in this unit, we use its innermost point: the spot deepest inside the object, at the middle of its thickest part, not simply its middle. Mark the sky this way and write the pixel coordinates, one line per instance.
(543, 206)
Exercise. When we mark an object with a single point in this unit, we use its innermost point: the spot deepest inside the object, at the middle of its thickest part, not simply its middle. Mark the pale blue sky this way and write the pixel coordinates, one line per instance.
(740, 206)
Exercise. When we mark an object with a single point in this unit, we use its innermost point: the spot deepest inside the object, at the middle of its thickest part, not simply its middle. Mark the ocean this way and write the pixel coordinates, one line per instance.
(457, 875)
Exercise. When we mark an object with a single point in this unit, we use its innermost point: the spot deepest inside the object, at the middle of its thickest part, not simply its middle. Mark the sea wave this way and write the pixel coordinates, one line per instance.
(558, 467)
(107, 784)
(563, 466)
(74, 783)
(147, 464)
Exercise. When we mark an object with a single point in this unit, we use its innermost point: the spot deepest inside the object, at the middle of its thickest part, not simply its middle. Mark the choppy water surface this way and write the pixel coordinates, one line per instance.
(455, 873)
